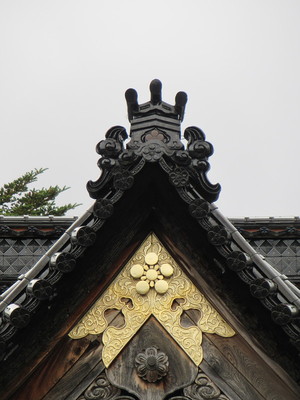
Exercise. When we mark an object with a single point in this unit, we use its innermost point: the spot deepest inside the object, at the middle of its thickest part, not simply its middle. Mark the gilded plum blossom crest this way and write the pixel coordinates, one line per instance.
(151, 274)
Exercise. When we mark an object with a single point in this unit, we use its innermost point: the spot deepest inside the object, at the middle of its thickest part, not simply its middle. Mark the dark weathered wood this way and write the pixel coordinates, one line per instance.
(266, 381)
(123, 372)
(242, 357)
(263, 373)
(85, 370)
(219, 382)
(81, 387)
(224, 372)
(101, 389)
(229, 295)
(50, 372)
(69, 364)
(253, 367)
(245, 339)
(229, 373)
(67, 321)
(79, 377)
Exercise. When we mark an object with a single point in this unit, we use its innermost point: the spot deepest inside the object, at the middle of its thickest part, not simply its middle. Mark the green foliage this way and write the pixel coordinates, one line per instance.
(17, 199)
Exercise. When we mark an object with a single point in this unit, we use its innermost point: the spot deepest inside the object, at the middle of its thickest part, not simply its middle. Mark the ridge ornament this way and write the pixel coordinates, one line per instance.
(166, 304)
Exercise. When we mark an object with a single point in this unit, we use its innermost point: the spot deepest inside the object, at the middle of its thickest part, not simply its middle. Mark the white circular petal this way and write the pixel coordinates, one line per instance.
(136, 271)
(161, 287)
(167, 270)
(151, 258)
(142, 287)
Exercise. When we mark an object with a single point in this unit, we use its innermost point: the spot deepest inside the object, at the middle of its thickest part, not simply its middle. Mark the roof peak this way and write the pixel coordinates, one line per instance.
(155, 105)
(155, 137)
(155, 120)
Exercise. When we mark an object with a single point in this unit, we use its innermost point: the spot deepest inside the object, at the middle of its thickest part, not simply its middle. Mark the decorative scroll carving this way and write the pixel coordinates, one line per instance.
(102, 389)
(142, 306)
(152, 364)
(124, 397)
(203, 389)
(112, 146)
(197, 145)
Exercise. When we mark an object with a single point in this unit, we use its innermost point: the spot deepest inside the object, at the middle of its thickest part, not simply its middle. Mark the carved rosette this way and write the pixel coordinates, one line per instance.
(237, 261)
(218, 235)
(262, 288)
(152, 364)
(123, 179)
(154, 264)
(199, 209)
(103, 208)
(282, 314)
(179, 177)
(152, 151)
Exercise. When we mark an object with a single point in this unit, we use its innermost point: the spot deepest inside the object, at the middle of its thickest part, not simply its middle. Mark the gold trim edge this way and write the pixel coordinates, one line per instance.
(156, 287)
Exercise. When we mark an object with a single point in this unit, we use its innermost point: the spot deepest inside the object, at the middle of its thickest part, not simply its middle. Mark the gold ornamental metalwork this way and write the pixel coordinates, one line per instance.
(151, 283)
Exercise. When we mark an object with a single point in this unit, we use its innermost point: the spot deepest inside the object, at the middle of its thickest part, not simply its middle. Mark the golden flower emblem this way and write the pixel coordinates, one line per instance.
(151, 275)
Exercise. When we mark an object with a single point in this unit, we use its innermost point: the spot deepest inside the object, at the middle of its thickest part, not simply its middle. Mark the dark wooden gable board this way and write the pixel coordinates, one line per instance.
(256, 363)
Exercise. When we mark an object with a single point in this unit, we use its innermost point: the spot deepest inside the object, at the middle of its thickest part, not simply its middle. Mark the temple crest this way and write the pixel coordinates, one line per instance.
(151, 283)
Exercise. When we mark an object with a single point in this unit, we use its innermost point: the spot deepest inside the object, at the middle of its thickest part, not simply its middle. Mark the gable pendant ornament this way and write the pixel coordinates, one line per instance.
(151, 284)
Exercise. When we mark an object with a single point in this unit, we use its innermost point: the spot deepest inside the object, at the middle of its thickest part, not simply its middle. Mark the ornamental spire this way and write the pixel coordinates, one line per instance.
(155, 119)
(155, 137)
(155, 105)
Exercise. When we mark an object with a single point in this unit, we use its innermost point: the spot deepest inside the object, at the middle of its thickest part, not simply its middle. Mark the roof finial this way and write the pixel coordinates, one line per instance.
(155, 137)
(155, 105)
(155, 89)
(131, 97)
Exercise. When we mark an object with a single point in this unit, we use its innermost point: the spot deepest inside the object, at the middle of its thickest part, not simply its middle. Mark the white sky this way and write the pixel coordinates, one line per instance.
(65, 65)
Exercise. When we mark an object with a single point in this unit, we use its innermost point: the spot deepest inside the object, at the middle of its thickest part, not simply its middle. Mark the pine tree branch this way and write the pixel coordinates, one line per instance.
(17, 199)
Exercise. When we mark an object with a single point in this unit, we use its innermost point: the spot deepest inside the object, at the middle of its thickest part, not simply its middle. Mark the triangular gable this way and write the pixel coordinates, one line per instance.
(151, 284)
(155, 184)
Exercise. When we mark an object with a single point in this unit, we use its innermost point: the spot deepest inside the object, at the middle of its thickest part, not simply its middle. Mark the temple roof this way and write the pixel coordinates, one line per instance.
(24, 240)
(151, 175)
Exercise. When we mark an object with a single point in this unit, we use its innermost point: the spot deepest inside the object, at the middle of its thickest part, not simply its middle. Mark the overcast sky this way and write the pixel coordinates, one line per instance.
(65, 65)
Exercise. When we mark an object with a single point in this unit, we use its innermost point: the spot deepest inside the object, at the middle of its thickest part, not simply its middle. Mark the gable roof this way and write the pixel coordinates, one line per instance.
(24, 240)
(153, 183)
